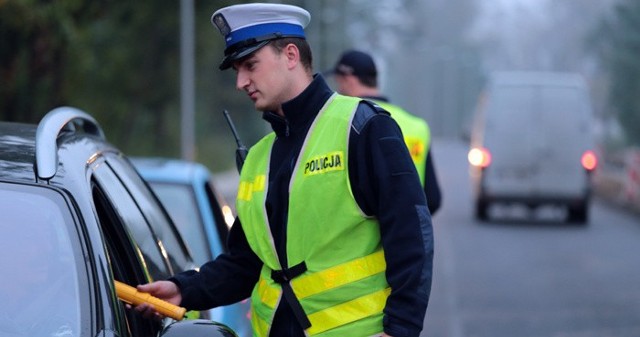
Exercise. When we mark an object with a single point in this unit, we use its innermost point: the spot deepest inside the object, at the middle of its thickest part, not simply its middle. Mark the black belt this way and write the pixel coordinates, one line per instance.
(283, 277)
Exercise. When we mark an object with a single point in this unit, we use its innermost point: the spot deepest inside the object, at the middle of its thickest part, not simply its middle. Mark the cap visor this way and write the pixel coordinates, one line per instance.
(228, 60)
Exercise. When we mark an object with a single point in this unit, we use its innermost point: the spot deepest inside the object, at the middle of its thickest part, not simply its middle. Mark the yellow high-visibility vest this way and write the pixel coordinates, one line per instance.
(416, 134)
(344, 288)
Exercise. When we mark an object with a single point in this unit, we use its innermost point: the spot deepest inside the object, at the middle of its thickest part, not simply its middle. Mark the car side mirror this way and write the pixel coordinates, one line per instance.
(197, 328)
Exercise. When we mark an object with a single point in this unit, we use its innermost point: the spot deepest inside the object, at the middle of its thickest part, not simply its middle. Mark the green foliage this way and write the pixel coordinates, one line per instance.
(35, 40)
(120, 62)
(129, 75)
(619, 46)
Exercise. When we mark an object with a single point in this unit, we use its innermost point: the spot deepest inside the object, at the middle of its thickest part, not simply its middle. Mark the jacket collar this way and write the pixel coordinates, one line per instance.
(301, 110)
(377, 98)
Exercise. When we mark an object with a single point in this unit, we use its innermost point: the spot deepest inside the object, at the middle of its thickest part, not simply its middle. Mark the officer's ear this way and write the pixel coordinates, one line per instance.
(292, 54)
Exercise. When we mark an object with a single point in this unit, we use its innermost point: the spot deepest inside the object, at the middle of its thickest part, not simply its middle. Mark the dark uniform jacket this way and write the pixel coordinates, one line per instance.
(385, 184)
(431, 185)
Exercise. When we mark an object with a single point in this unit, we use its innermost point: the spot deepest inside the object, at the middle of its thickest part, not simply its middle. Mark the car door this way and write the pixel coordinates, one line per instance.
(510, 137)
(115, 210)
(563, 116)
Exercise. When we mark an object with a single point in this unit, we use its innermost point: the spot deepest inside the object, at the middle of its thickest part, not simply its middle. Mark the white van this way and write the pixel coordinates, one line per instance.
(532, 143)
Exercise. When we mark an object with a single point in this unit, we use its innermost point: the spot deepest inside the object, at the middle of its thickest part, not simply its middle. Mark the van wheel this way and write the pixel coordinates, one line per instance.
(577, 214)
(481, 210)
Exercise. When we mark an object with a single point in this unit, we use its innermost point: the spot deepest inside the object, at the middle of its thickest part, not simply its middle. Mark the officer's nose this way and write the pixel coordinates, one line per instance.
(242, 80)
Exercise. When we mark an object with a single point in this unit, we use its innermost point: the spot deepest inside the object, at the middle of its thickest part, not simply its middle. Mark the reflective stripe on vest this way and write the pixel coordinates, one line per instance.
(416, 133)
(344, 288)
(309, 285)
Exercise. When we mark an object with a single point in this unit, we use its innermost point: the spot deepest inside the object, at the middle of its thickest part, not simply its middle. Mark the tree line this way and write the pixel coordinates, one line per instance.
(119, 61)
(617, 41)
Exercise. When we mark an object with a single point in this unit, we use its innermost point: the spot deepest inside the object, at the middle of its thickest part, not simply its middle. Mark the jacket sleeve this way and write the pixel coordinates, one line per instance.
(431, 185)
(227, 279)
(386, 185)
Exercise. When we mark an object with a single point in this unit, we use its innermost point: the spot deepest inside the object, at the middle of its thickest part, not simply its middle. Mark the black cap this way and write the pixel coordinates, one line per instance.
(355, 62)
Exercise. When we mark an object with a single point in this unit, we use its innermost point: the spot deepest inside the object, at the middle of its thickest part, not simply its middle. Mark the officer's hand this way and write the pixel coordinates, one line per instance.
(164, 290)
(385, 335)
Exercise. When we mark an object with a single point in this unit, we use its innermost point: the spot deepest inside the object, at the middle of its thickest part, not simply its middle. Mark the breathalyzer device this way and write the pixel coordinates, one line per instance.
(131, 295)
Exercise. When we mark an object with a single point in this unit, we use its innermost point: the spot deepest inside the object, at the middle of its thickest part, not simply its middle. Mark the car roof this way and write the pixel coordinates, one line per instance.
(171, 170)
(70, 143)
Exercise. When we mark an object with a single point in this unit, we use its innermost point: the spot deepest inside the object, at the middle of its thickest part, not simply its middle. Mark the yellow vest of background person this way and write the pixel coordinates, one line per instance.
(416, 134)
(344, 288)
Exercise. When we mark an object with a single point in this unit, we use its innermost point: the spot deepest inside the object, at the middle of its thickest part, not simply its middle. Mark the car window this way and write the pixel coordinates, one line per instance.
(126, 211)
(180, 202)
(39, 289)
(125, 263)
(167, 235)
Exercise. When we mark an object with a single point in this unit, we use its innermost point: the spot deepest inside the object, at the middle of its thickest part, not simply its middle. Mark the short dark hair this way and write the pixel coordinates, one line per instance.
(370, 81)
(303, 46)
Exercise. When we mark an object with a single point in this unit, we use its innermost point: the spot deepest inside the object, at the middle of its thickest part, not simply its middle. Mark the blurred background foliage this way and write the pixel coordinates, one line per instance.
(618, 43)
(120, 62)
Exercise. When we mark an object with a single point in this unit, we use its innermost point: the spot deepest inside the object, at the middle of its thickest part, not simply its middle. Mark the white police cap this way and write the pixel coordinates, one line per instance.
(249, 27)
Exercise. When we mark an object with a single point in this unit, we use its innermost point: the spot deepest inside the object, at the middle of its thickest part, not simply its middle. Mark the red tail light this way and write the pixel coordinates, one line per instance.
(589, 160)
(480, 157)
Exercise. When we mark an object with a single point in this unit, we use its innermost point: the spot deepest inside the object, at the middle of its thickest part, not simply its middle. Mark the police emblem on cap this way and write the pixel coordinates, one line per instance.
(222, 24)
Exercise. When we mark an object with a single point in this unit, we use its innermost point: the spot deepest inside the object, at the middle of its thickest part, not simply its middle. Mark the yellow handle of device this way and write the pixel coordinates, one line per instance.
(131, 295)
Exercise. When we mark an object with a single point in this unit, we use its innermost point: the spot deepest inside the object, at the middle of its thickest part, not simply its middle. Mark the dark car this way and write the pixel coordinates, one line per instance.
(74, 217)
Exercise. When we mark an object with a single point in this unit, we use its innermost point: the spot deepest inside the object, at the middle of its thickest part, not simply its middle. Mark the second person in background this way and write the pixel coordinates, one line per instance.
(356, 75)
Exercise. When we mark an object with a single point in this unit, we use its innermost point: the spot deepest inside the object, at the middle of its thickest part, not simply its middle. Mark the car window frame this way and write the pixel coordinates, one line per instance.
(139, 231)
(157, 216)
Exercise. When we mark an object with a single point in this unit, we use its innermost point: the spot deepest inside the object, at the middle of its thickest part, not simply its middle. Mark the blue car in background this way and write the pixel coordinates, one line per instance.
(202, 217)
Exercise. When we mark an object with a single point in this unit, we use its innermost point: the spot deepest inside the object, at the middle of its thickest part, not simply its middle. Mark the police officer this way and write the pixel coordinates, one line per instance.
(333, 235)
(356, 75)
